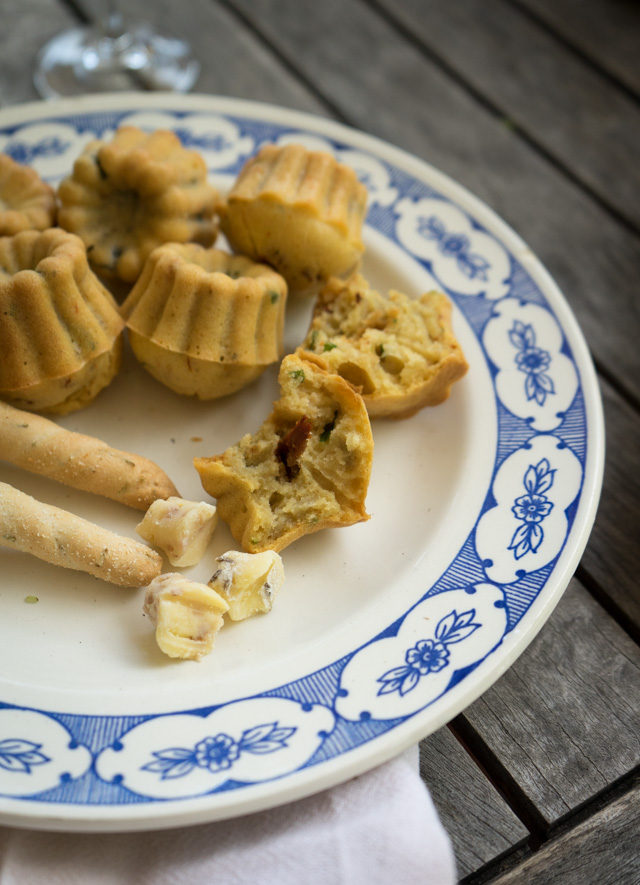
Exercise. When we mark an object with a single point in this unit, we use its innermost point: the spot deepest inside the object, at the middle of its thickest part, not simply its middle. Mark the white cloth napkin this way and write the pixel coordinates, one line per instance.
(381, 827)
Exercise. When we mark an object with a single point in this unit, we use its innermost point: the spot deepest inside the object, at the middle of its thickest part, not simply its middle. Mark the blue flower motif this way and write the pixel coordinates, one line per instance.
(533, 361)
(25, 153)
(218, 752)
(532, 508)
(17, 754)
(216, 143)
(454, 246)
(429, 655)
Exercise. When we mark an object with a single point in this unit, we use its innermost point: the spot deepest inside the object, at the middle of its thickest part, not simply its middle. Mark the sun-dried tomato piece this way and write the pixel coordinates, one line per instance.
(292, 445)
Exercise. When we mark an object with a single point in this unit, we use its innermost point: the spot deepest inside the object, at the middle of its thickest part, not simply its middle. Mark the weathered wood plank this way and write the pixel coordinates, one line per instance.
(588, 125)
(481, 825)
(608, 32)
(611, 562)
(602, 850)
(564, 722)
(384, 85)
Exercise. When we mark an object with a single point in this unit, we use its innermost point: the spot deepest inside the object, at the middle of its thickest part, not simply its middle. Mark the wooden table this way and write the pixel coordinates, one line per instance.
(532, 104)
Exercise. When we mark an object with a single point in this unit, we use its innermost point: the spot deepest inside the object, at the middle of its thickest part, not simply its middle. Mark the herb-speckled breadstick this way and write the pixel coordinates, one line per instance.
(64, 539)
(84, 462)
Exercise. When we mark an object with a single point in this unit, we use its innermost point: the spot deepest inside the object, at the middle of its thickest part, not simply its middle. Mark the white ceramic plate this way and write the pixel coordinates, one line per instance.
(384, 631)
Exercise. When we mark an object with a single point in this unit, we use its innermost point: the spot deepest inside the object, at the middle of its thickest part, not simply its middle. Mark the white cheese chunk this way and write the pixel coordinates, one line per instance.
(182, 529)
(248, 581)
(187, 615)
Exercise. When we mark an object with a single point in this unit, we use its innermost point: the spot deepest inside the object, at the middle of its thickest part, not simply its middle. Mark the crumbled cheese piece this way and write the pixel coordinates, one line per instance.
(182, 529)
(248, 581)
(187, 615)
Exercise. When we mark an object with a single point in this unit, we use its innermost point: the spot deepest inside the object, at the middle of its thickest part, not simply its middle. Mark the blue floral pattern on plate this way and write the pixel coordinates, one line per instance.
(37, 754)
(234, 744)
(429, 655)
(470, 623)
(550, 381)
(509, 535)
(533, 361)
(219, 752)
(456, 246)
(76, 761)
(532, 508)
(16, 754)
(23, 152)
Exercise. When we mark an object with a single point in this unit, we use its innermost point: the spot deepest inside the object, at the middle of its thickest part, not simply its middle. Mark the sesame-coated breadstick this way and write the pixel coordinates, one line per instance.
(64, 539)
(83, 462)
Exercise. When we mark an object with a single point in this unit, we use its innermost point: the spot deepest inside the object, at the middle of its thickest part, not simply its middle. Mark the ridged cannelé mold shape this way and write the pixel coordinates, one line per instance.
(300, 211)
(129, 195)
(26, 201)
(203, 322)
(59, 327)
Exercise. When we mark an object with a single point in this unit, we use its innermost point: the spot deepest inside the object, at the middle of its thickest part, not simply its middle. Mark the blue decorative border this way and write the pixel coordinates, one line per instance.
(479, 598)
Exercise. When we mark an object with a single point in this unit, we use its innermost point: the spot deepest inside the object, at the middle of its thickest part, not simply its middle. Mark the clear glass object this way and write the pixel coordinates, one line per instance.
(112, 56)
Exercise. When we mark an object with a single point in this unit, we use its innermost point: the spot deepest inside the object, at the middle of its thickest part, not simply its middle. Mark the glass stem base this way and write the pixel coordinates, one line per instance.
(101, 59)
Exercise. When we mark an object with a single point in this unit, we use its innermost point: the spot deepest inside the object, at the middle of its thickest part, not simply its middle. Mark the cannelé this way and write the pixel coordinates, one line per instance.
(135, 192)
(26, 201)
(307, 468)
(300, 211)
(60, 328)
(203, 322)
(400, 353)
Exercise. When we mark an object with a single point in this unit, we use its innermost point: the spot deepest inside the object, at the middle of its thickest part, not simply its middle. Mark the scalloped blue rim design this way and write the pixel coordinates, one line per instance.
(323, 686)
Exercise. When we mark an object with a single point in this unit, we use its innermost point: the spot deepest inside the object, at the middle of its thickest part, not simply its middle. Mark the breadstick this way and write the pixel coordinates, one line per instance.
(80, 461)
(64, 539)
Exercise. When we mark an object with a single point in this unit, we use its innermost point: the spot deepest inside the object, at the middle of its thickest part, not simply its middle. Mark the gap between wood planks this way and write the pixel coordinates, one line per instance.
(595, 589)
(488, 873)
(576, 50)
(618, 386)
(573, 851)
(521, 805)
(284, 60)
(496, 111)
(78, 11)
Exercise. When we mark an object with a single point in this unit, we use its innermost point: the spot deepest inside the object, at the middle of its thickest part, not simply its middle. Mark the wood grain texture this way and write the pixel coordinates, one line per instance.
(602, 850)
(611, 562)
(517, 67)
(608, 31)
(382, 84)
(564, 721)
(481, 825)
